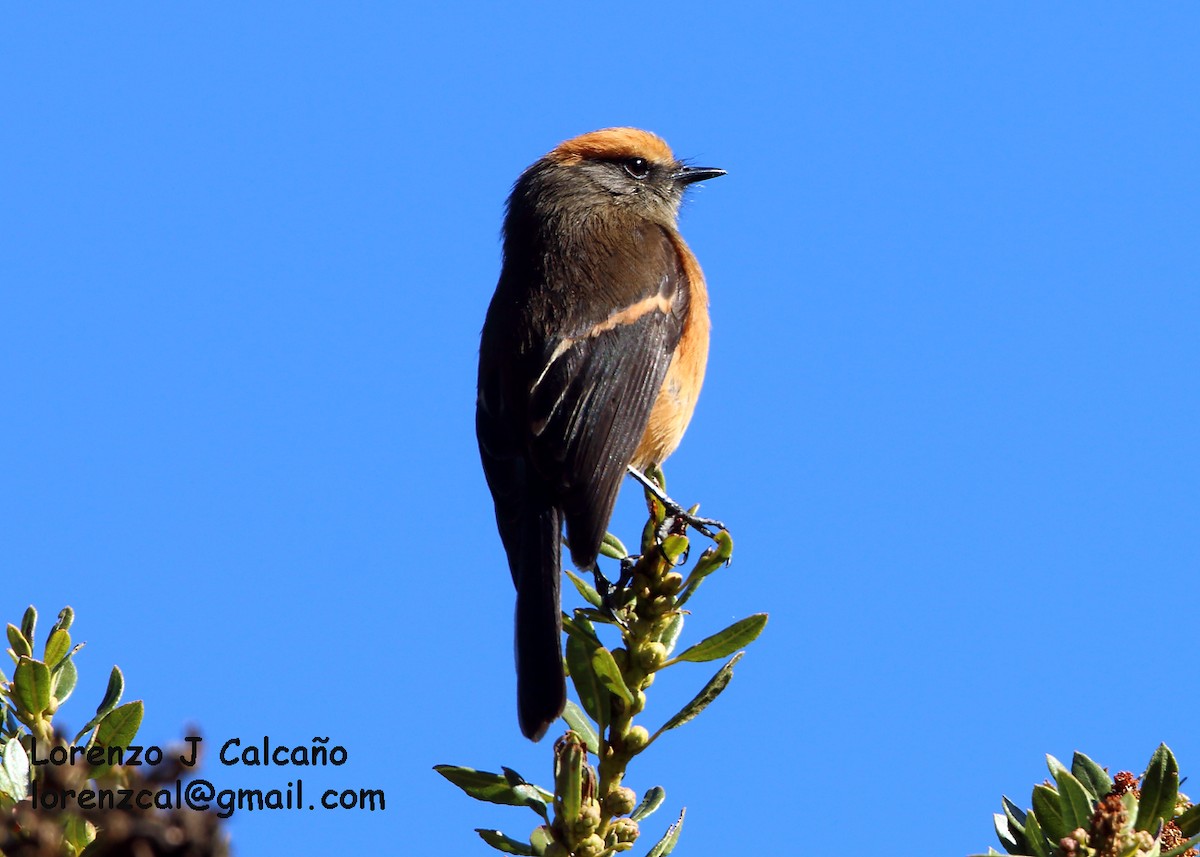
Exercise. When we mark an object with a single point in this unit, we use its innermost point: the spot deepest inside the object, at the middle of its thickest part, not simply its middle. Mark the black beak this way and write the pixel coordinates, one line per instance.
(687, 175)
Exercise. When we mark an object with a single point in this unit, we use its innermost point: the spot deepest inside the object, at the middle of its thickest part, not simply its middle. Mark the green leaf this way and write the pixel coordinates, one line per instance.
(591, 696)
(1005, 834)
(1016, 824)
(1034, 837)
(20, 645)
(1016, 815)
(651, 801)
(1130, 801)
(118, 729)
(7, 798)
(29, 623)
(704, 698)
(593, 615)
(78, 834)
(31, 687)
(666, 845)
(535, 798)
(612, 548)
(15, 770)
(1094, 777)
(1189, 822)
(66, 617)
(516, 779)
(541, 839)
(579, 722)
(712, 559)
(481, 785)
(589, 593)
(112, 695)
(1160, 790)
(609, 674)
(521, 786)
(1076, 805)
(581, 626)
(724, 643)
(688, 590)
(63, 682)
(485, 786)
(670, 635)
(674, 547)
(507, 844)
(1047, 805)
(715, 557)
(1054, 765)
(57, 648)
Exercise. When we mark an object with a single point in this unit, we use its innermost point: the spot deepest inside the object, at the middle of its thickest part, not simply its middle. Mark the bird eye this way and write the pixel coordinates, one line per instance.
(638, 168)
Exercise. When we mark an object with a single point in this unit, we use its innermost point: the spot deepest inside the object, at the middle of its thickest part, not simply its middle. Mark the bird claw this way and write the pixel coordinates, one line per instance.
(611, 596)
(674, 513)
(628, 564)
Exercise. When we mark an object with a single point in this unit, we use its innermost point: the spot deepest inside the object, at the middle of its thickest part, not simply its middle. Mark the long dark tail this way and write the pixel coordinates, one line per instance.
(541, 687)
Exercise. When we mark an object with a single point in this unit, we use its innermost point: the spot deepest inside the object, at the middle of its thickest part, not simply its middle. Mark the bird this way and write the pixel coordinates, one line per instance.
(591, 357)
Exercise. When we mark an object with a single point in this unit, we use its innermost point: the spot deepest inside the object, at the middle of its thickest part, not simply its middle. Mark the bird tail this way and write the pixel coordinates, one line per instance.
(541, 687)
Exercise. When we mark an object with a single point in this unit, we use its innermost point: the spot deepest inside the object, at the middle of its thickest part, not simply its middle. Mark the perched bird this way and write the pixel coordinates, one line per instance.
(591, 359)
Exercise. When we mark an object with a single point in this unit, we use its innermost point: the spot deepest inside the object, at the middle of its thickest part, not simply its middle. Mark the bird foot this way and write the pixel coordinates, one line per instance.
(613, 597)
(675, 513)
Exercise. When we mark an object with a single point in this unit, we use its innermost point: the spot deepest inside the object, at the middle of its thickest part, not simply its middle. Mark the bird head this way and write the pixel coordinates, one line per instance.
(624, 169)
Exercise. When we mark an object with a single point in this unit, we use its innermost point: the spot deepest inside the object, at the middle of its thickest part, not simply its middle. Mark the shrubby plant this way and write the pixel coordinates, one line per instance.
(590, 812)
(30, 728)
(1087, 813)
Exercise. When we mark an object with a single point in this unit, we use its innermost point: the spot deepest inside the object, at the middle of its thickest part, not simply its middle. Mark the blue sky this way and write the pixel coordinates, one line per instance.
(950, 417)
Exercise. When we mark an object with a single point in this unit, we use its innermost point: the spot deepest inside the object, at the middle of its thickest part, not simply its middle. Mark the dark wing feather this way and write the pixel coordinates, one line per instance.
(504, 463)
(530, 525)
(590, 406)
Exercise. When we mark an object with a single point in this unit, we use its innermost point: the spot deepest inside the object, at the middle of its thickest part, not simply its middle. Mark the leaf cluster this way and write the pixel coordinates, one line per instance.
(594, 814)
(1087, 813)
(29, 702)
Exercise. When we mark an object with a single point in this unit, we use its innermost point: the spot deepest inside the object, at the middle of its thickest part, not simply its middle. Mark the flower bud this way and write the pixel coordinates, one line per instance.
(587, 821)
(620, 801)
(651, 656)
(590, 847)
(636, 738)
(639, 702)
(623, 830)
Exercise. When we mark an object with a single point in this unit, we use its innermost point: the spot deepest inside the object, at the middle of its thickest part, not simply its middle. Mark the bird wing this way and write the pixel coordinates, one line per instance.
(591, 399)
